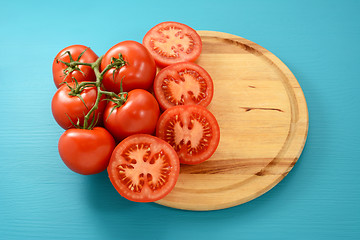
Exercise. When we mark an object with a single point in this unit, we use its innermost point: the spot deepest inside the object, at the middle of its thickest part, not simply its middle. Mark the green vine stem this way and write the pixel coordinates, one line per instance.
(119, 99)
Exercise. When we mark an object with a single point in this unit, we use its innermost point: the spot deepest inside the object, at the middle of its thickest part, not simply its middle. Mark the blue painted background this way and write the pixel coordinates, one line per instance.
(41, 199)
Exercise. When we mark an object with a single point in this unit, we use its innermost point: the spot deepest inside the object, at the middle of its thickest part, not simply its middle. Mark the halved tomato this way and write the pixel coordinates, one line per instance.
(143, 168)
(191, 130)
(184, 83)
(172, 42)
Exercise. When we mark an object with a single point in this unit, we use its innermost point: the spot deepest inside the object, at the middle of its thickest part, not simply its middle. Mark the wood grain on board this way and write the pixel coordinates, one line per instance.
(263, 119)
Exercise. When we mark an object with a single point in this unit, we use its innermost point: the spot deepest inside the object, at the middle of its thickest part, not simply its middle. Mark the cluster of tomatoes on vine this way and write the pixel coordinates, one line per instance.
(138, 111)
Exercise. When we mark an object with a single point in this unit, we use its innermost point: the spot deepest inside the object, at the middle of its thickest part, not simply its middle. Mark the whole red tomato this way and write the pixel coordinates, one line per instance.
(62, 73)
(138, 72)
(139, 114)
(66, 107)
(86, 151)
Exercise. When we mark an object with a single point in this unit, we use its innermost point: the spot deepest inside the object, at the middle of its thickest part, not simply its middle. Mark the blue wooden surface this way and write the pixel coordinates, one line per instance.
(41, 199)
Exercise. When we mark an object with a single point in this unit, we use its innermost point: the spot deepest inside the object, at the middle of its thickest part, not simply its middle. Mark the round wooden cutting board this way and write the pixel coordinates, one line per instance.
(263, 119)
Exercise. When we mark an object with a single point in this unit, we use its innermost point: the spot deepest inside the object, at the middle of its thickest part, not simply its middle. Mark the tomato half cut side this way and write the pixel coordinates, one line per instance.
(184, 83)
(172, 42)
(191, 130)
(143, 168)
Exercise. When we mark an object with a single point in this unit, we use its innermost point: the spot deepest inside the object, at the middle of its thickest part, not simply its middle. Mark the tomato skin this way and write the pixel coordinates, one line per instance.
(191, 130)
(178, 35)
(143, 165)
(139, 72)
(64, 106)
(86, 151)
(181, 79)
(139, 114)
(58, 67)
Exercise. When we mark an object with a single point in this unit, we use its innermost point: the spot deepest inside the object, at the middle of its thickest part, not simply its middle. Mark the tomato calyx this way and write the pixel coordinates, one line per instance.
(117, 99)
(77, 125)
(117, 63)
(76, 91)
(73, 65)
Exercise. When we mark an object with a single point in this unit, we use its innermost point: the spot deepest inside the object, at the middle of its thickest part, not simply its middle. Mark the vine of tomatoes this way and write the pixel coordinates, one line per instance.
(119, 114)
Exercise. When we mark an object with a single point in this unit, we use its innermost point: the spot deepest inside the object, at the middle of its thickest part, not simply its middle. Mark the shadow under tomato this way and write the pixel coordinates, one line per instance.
(114, 215)
(102, 196)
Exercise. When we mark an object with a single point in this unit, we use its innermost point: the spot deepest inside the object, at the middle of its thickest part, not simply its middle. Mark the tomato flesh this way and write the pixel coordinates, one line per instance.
(143, 168)
(183, 83)
(191, 130)
(172, 42)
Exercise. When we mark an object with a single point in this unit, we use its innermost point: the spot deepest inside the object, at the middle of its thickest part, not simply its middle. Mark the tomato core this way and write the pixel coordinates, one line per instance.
(183, 83)
(172, 41)
(142, 167)
(189, 134)
(191, 130)
(190, 88)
